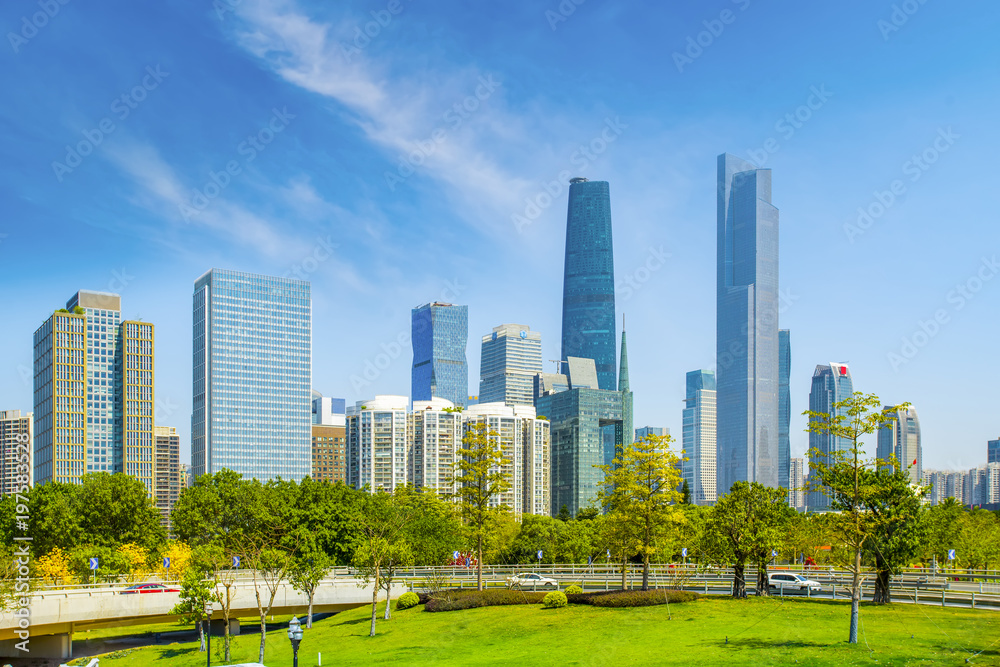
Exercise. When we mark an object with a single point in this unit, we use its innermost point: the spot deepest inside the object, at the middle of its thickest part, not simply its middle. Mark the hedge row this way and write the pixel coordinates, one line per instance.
(455, 600)
(466, 599)
(632, 598)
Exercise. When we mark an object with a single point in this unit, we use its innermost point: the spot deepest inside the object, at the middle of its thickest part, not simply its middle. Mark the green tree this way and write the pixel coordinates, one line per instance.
(195, 598)
(685, 493)
(944, 523)
(380, 543)
(640, 488)
(839, 475)
(978, 541)
(618, 534)
(116, 509)
(538, 533)
(309, 567)
(898, 524)
(481, 480)
(53, 520)
(564, 514)
(435, 528)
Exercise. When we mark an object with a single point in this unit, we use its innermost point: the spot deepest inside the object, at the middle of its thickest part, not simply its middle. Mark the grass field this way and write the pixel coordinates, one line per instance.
(759, 631)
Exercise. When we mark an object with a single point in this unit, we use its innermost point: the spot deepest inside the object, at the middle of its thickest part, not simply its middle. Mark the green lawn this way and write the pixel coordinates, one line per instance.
(760, 631)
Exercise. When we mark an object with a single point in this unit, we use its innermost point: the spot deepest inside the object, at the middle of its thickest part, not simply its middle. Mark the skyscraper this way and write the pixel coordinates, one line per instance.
(830, 384)
(252, 375)
(588, 315)
(747, 369)
(784, 408)
(167, 475)
(699, 437)
(377, 443)
(900, 437)
(796, 484)
(643, 431)
(511, 358)
(627, 429)
(434, 436)
(93, 392)
(993, 451)
(440, 332)
(16, 449)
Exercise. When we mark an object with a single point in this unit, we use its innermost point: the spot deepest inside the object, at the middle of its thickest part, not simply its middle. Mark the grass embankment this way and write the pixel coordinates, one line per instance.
(759, 631)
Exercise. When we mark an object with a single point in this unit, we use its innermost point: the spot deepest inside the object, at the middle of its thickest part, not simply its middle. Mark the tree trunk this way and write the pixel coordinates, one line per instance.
(374, 602)
(855, 597)
(739, 583)
(882, 594)
(309, 617)
(645, 572)
(479, 562)
(201, 635)
(226, 638)
(263, 636)
(624, 574)
(762, 584)
(388, 599)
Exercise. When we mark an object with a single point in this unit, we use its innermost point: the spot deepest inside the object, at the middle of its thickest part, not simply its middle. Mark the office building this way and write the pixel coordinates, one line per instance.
(579, 417)
(747, 368)
(329, 453)
(993, 451)
(643, 431)
(626, 430)
(328, 411)
(167, 473)
(588, 308)
(93, 392)
(511, 358)
(784, 408)
(698, 437)
(252, 376)
(434, 436)
(796, 484)
(900, 438)
(377, 443)
(16, 449)
(831, 383)
(440, 332)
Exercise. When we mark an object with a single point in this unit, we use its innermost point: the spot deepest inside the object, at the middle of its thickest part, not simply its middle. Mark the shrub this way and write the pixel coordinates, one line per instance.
(574, 590)
(632, 598)
(554, 600)
(407, 600)
(456, 600)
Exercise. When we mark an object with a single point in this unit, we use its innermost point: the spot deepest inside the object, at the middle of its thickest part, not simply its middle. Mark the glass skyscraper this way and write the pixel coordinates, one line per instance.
(511, 358)
(900, 437)
(699, 437)
(440, 332)
(252, 376)
(830, 384)
(625, 435)
(747, 373)
(993, 451)
(588, 315)
(784, 408)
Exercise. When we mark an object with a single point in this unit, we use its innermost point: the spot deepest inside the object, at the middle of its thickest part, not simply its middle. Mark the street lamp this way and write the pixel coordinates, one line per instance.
(295, 636)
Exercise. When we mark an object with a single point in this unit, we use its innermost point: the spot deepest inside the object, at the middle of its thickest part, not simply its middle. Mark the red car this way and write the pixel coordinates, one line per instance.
(150, 588)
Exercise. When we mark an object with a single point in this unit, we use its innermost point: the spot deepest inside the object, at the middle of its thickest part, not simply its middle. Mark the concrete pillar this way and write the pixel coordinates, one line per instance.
(42, 646)
(219, 627)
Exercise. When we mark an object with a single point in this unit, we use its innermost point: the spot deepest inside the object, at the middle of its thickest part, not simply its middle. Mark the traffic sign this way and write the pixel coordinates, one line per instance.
(590, 560)
(774, 553)
(166, 562)
(951, 554)
(609, 554)
(454, 554)
(539, 554)
(684, 552)
(93, 563)
(236, 561)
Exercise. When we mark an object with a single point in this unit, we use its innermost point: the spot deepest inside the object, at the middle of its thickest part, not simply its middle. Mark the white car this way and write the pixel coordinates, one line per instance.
(531, 580)
(791, 582)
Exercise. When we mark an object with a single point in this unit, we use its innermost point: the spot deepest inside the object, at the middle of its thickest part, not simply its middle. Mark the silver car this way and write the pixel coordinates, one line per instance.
(531, 580)
(791, 582)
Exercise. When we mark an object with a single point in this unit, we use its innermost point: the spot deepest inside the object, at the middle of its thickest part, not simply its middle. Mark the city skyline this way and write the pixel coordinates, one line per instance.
(315, 202)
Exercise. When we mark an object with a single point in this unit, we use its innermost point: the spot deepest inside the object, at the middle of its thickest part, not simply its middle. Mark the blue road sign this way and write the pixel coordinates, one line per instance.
(93, 563)
(166, 563)
(454, 554)
(609, 554)
(774, 553)
(539, 554)
(951, 554)
(590, 560)
(684, 552)
(236, 561)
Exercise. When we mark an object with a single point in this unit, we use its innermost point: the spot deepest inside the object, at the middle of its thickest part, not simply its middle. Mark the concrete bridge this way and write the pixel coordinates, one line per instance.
(57, 614)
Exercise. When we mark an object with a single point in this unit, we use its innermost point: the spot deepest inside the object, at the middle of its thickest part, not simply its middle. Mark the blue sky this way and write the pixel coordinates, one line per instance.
(391, 169)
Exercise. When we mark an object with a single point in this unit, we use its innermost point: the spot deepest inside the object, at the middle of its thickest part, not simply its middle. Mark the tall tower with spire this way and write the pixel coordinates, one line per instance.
(625, 429)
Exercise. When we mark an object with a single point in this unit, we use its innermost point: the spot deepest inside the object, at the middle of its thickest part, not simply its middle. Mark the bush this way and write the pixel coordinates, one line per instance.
(456, 600)
(407, 600)
(632, 598)
(574, 590)
(554, 600)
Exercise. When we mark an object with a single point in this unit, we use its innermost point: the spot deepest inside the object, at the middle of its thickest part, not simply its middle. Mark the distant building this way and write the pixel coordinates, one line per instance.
(167, 472)
(440, 332)
(643, 431)
(784, 407)
(796, 484)
(900, 438)
(328, 411)
(831, 383)
(699, 437)
(982, 485)
(511, 358)
(625, 431)
(186, 478)
(434, 437)
(16, 443)
(329, 453)
(377, 443)
(993, 451)
(252, 356)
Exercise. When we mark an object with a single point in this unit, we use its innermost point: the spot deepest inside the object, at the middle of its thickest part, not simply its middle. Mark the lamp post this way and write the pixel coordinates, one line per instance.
(295, 636)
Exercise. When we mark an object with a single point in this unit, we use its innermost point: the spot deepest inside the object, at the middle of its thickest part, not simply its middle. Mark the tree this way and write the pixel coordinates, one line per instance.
(222, 580)
(898, 524)
(53, 568)
(640, 488)
(180, 559)
(839, 475)
(195, 598)
(380, 542)
(53, 520)
(309, 566)
(685, 493)
(481, 480)
(621, 542)
(978, 542)
(116, 509)
(538, 533)
(944, 523)
(564, 514)
(135, 558)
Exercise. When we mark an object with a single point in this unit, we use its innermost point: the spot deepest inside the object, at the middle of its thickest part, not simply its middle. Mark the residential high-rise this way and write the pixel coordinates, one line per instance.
(626, 431)
(580, 416)
(588, 309)
(94, 376)
(830, 384)
(328, 411)
(329, 453)
(747, 368)
(434, 436)
(796, 484)
(440, 332)
(699, 437)
(187, 479)
(900, 437)
(167, 475)
(982, 485)
(16, 449)
(993, 451)
(511, 358)
(784, 408)
(377, 443)
(252, 376)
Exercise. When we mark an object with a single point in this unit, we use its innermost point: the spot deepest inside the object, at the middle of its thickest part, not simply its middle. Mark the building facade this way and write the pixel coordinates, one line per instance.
(187, 479)
(699, 437)
(439, 335)
(588, 308)
(252, 376)
(784, 408)
(993, 451)
(747, 365)
(625, 433)
(643, 431)
(831, 383)
(377, 443)
(796, 484)
(167, 472)
(900, 438)
(434, 436)
(329, 453)
(16, 449)
(511, 358)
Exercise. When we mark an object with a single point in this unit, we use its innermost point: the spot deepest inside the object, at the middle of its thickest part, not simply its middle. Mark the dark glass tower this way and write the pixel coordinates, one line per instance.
(784, 407)
(440, 332)
(588, 316)
(746, 326)
(626, 433)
